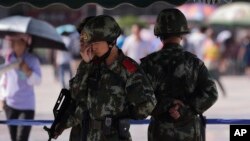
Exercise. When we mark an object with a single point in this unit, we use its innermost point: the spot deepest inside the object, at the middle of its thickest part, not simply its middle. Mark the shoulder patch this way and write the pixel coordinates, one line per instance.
(129, 65)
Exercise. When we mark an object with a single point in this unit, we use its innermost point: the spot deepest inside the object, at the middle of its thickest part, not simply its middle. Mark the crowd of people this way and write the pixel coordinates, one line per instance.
(226, 49)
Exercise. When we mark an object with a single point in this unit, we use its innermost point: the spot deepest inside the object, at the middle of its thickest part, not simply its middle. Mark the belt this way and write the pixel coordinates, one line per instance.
(95, 124)
(98, 124)
(167, 118)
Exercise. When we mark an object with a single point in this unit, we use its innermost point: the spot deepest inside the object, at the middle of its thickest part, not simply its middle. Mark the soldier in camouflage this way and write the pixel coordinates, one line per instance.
(182, 85)
(109, 86)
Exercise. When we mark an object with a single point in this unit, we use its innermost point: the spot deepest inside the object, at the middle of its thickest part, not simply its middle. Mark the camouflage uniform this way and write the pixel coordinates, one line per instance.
(120, 91)
(177, 75)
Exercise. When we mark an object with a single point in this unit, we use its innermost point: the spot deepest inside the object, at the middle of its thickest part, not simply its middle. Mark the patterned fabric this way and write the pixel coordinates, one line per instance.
(101, 28)
(120, 90)
(170, 21)
(178, 75)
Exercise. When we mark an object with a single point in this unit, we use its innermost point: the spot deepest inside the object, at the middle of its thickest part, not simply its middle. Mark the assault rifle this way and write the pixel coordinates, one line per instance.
(62, 103)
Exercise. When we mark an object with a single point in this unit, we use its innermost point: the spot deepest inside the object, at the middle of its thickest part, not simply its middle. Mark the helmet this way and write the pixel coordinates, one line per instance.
(101, 28)
(82, 23)
(171, 22)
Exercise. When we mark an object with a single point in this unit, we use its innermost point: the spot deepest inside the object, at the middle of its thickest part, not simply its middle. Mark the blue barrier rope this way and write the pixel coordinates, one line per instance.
(45, 122)
(26, 122)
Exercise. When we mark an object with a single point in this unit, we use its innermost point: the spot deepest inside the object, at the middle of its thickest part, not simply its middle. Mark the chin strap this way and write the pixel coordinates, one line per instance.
(104, 56)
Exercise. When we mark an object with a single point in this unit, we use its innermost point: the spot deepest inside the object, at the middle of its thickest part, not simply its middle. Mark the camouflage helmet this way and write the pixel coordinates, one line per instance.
(101, 28)
(82, 23)
(171, 22)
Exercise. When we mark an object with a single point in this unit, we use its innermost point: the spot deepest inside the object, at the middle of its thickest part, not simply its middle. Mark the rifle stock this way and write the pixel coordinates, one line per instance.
(62, 103)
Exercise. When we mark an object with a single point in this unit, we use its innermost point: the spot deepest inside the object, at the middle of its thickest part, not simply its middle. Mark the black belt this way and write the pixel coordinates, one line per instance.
(167, 118)
(98, 124)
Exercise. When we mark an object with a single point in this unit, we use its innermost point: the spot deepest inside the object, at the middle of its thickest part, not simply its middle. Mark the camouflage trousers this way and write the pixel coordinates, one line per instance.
(76, 133)
(178, 131)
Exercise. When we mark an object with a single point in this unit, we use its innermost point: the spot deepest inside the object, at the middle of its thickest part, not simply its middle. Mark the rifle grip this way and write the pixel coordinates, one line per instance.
(48, 130)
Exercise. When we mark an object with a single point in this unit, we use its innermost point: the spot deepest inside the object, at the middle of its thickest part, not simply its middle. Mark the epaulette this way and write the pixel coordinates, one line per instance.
(129, 65)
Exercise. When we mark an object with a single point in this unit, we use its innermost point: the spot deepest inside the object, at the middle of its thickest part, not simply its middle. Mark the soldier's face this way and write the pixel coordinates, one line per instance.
(99, 48)
(96, 48)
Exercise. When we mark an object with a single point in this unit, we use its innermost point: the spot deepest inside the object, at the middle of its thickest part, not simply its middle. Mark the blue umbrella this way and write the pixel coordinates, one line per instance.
(43, 34)
(69, 28)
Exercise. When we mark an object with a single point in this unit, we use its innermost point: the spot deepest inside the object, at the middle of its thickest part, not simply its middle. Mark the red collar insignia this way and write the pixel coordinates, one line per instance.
(129, 65)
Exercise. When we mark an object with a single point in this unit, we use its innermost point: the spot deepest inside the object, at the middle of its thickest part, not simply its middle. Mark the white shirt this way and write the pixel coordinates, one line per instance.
(136, 49)
(17, 88)
(196, 40)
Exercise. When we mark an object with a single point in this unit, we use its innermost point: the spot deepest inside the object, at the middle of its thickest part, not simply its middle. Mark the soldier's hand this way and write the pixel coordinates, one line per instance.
(58, 130)
(174, 110)
(86, 54)
(174, 113)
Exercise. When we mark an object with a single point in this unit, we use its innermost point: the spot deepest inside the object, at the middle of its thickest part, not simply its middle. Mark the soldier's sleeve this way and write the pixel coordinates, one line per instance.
(205, 93)
(140, 94)
(78, 90)
(78, 84)
(74, 113)
(149, 70)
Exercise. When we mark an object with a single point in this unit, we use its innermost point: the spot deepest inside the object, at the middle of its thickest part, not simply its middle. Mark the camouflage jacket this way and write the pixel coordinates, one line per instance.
(110, 91)
(178, 75)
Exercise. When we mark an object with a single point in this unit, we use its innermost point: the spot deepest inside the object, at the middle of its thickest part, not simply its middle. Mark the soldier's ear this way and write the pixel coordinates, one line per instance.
(112, 44)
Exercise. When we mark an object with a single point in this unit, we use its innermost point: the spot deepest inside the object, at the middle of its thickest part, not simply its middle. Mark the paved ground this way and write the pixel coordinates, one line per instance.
(235, 105)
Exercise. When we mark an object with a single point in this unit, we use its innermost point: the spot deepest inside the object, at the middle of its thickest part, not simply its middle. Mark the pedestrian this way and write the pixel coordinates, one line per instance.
(135, 46)
(63, 59)
(212, 58)
(109, 86)
(246, 55)
(2, 60)
(182, 85)
(195, 41)
(18, 85)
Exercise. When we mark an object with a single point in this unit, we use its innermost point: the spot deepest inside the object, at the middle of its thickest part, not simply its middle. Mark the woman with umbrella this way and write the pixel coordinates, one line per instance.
(18, 85)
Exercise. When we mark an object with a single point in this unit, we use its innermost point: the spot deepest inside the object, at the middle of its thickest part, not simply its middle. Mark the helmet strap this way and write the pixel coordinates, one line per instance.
(106, 55)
